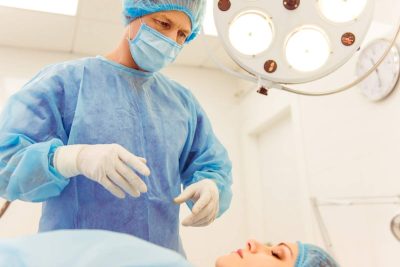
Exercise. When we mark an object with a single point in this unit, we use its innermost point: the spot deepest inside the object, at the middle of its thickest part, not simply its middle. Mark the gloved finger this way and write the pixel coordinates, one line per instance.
(202, 202)
(112, 188)
(194, 222)
(208, 219)
(117, 179)
(131, 177)
(201, 215)
(187, 194)
(133, 161)
(142, 160)
(188, 220)
(204, 222)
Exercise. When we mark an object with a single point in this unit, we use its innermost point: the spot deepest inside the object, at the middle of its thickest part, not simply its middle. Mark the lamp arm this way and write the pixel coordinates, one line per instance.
(248, 76)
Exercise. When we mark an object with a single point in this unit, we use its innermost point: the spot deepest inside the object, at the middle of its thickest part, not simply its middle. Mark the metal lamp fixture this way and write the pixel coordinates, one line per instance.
(395, 226)
(279, 43)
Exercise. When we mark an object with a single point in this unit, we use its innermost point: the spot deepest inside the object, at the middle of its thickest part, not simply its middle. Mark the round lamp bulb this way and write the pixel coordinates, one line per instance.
(307, 49)
(342, 10)
(251, 33)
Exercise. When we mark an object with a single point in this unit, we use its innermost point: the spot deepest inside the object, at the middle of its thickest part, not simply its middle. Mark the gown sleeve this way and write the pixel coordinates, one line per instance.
(31, 129)
(204, 157)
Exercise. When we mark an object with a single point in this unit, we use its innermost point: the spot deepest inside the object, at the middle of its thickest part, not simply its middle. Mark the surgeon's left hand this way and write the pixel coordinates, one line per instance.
(205, 196)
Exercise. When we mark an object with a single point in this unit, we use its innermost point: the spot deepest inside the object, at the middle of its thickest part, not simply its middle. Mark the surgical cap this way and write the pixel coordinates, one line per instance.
(312, 256)
(195, 10)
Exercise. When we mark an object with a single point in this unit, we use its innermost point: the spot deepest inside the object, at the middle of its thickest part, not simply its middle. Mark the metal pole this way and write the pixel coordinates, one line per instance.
(322, 227)
(4, 208)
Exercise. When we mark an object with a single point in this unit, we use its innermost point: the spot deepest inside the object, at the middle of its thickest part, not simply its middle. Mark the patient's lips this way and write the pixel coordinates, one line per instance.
(240, 252)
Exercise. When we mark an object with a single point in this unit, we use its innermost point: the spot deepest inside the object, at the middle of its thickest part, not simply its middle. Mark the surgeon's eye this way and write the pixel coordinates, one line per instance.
(182, 35)
(163, 24)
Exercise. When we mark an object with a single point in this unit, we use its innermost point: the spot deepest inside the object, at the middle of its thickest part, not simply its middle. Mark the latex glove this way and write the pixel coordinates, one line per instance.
(110, 165)
(205, 196)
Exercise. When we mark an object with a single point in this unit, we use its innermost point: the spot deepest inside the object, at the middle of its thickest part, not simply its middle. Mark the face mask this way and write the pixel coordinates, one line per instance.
(152, 50)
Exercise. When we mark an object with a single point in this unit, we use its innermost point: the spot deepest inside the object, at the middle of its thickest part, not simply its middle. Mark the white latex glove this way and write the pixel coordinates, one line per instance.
(205, 196)
(110, 165)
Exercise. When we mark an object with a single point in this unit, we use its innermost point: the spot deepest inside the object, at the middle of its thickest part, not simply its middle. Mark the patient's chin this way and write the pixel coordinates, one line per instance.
(219, 262)
(225, 261)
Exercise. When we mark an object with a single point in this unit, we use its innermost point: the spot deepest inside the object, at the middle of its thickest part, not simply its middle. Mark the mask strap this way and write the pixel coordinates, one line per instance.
(129, 31)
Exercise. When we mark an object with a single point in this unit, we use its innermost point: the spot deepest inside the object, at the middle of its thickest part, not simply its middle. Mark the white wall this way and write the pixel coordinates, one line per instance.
(214, 91)
(345, 146)
(261, 118)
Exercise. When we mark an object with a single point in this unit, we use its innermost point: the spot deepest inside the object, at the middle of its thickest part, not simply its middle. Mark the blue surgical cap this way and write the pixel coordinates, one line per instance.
(195, 10)
(312, 256)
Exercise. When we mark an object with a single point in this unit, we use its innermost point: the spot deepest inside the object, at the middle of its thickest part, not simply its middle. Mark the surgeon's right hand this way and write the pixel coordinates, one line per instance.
(110, 165)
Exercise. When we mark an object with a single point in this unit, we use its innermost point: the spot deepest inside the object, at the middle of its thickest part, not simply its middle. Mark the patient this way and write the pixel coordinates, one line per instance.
(297, 254)
(97, 248)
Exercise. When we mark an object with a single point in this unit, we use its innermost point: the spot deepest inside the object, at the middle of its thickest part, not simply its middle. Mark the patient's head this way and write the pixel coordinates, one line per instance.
(255, 254)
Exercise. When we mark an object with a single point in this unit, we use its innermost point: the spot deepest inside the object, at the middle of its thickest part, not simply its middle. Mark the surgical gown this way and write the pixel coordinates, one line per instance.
(97, 101)
(85, 248)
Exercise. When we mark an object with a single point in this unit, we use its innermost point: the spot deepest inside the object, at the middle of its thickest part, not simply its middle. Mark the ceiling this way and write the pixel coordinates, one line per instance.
(97, 28)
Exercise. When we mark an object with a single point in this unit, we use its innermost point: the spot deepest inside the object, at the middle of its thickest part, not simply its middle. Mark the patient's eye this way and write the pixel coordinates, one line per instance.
(276, 255)
(281, 252)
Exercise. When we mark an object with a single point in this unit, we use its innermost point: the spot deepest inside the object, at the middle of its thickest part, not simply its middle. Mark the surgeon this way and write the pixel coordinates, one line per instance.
(106, 142)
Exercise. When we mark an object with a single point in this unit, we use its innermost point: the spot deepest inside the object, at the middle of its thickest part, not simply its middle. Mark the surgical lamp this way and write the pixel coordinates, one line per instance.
(288, 42)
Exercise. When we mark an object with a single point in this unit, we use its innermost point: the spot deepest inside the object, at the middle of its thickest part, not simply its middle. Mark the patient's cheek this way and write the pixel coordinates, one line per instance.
(220, 262)
(226, 261)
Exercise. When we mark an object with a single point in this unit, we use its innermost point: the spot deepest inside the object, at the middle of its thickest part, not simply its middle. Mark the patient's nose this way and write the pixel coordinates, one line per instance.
(254, 246)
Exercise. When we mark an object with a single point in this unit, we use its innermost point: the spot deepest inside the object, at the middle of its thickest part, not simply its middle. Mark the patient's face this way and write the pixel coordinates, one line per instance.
(255, 254)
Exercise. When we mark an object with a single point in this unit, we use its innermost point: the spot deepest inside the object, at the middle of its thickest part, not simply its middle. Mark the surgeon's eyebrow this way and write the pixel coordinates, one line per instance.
(284, 244)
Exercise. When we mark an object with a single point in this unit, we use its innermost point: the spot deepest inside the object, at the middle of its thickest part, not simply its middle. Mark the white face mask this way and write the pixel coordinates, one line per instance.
(152, 50)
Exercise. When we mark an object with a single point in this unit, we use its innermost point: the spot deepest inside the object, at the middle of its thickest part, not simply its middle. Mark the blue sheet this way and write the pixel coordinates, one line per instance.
(81, 248)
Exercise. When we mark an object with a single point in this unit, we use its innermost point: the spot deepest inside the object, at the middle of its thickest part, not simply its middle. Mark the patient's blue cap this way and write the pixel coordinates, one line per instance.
(313, 256)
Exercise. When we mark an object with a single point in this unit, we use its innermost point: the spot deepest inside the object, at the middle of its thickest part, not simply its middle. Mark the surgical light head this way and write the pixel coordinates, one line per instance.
(194, 9)
(305, 39)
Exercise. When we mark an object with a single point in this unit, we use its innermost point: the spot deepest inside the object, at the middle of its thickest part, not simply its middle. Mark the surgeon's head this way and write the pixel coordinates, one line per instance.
(193, 9)
(173, 24)
(157, 31)
(255, 254)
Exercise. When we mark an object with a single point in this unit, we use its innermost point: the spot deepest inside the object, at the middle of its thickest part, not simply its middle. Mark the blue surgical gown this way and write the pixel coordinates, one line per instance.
(85, 248)
(97, 101)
